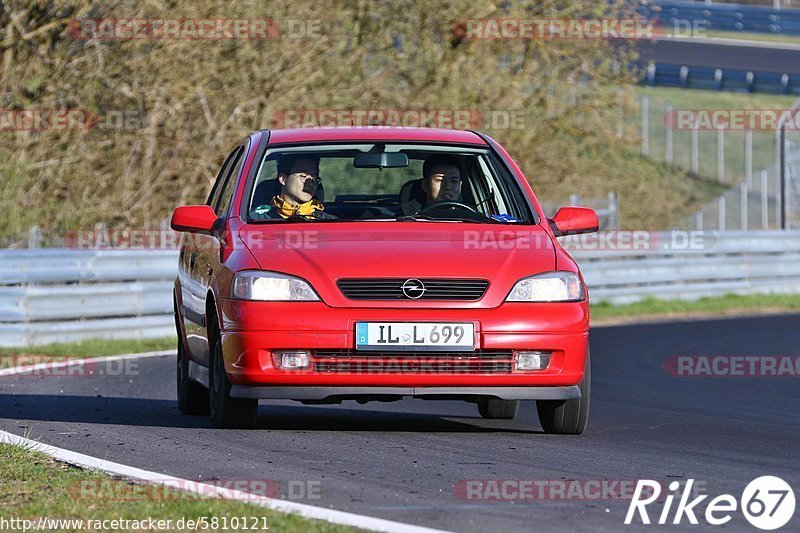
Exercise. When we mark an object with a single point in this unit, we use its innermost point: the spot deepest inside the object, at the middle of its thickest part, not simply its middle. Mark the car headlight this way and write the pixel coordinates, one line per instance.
(558, 286)
(271, 286)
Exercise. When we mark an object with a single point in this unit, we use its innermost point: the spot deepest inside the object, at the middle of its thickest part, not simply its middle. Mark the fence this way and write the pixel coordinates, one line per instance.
(607, 208)
(760, 168)
(57, 295)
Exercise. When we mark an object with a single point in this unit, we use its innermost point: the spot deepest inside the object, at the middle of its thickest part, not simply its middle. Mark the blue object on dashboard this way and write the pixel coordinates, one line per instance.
(505, 218)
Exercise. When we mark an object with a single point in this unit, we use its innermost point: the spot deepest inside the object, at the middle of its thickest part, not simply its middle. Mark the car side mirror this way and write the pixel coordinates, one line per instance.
(574, 221)
(194, 219)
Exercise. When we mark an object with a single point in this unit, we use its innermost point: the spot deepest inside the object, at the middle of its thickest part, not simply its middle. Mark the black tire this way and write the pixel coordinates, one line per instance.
(493, 409)
(192, 396)
(567, 417)
(227, 412)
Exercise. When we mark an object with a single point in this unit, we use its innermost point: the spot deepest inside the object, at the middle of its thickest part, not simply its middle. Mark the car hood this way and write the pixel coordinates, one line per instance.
(324, 252)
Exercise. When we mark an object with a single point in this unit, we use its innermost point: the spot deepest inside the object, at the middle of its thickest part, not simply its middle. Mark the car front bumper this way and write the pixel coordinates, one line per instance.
(253, 330)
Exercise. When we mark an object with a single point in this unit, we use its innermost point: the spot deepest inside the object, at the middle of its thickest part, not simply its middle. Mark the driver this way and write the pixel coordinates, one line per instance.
(441, 178)
(298, 176)
(440, 181)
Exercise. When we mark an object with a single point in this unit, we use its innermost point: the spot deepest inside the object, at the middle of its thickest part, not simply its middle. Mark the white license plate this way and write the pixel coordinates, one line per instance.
(433, 336)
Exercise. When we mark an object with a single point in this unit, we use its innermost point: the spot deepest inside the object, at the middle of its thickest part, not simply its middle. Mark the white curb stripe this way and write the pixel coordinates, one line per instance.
(306, 511)
(116, 469)
(26, 369)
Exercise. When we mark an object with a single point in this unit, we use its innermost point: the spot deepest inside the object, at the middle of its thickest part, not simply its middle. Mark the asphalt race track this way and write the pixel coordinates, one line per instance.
(696, 52)
(401, 460)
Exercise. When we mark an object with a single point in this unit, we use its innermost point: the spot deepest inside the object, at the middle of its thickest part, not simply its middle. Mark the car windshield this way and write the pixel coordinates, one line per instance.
(383, 181)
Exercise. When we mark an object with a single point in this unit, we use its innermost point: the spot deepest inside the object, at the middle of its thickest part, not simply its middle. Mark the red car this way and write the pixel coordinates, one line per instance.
(372, 264)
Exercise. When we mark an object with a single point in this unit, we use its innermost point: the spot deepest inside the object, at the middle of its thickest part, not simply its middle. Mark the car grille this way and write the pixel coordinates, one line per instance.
(354, 362)
(392, 289)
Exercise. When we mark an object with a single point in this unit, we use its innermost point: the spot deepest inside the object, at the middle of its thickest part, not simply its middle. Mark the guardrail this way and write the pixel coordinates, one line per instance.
(56, 295)
(725, 17)
(670, 267)
(711, 78)
(61, 295)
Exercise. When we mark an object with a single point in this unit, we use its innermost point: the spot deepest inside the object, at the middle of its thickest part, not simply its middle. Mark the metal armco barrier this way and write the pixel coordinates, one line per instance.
(63, 295)
(687, 265)
(57, 295)
(727, 17)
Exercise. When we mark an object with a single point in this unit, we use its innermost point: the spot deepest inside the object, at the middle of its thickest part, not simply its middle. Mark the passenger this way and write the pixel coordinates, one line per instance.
(298, 177)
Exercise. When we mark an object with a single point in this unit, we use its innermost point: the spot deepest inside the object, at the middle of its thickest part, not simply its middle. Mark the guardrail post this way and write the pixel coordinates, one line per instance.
(720, 155)
(777, 163)
(575, 199)
(695, 157)
(613, 211)
(645, 111)
(782, 205)
(34, 237)
(743, 193)
(668, 113)
(748, 157)
(698, 220)
(721, 204)
(764, 199)
(651, 73)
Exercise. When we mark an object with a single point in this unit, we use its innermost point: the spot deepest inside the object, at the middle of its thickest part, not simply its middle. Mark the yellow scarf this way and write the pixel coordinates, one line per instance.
(287, 209)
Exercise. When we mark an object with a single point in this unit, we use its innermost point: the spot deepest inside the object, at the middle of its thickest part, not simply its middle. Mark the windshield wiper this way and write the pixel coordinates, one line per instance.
(414, 218)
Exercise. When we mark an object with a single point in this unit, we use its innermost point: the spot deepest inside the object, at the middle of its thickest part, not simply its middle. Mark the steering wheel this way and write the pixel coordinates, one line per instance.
(444, 204)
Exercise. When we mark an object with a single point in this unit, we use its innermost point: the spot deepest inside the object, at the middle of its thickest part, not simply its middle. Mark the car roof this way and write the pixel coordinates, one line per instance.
(375, 133)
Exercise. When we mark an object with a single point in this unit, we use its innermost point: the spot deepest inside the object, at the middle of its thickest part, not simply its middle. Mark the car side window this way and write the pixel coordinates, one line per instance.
(226, 195)
(219, 184)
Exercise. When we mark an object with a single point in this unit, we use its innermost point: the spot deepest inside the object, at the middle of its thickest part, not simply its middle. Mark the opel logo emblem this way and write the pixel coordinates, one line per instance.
(413, 288)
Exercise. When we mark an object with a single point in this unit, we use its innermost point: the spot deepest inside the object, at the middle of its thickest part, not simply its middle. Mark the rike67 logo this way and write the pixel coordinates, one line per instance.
(767, 502)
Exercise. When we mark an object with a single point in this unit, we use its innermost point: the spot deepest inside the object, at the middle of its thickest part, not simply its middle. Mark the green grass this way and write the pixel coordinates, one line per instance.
(94, 347)
(717, 306)
(753, 36)
(34, 485)
(763, 140)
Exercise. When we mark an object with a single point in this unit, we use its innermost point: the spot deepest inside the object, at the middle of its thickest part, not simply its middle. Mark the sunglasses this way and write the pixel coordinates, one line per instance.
(304, 176)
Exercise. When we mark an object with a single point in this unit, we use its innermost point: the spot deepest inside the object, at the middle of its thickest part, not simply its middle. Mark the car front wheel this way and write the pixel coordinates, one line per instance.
(227, 412)
(498, 409)
(567, 417)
